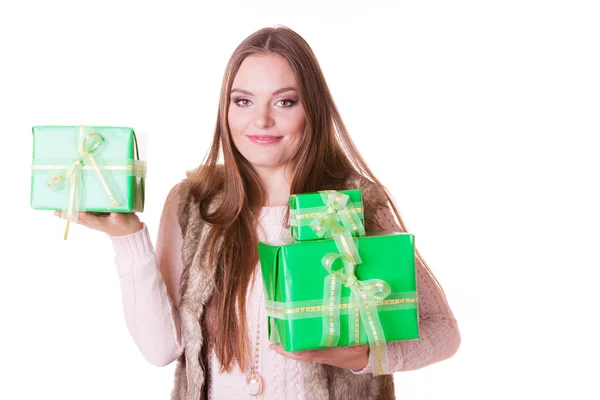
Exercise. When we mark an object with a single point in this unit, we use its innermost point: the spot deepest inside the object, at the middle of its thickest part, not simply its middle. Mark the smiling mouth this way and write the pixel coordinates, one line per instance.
(264, 139)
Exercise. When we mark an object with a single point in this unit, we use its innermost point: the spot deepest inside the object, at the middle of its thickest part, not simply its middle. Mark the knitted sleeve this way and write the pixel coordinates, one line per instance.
(150, 286)
(439, 337)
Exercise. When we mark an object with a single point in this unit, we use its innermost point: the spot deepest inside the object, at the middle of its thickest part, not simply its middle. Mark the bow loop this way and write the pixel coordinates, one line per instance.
(334, 200)
(364, 296)
(376, 289)
(95, 141)
(338, 211)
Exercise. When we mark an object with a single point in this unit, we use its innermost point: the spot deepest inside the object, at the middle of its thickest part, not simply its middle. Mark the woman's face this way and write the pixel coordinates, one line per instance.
(265, 116)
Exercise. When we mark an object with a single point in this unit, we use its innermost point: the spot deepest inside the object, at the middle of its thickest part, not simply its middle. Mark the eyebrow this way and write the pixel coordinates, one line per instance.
(278, 91)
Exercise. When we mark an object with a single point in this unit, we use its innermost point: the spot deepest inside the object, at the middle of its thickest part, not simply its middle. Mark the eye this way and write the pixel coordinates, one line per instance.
(288, 102)
(241, 102)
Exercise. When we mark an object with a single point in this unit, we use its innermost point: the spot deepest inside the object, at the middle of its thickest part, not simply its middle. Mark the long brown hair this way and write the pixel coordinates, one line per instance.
(326, 157)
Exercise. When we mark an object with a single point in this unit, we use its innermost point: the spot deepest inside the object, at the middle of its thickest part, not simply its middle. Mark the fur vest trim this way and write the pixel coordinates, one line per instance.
(321, 382)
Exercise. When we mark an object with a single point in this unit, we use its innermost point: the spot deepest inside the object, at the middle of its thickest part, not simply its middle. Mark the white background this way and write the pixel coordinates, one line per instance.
(479, 116)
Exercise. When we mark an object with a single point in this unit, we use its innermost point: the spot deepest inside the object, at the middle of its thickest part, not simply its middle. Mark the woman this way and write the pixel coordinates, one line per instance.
(198, 299)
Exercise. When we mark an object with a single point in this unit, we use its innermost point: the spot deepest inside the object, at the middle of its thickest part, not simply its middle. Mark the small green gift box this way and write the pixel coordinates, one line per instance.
(86, 168)
(312, 215)
(316, 298)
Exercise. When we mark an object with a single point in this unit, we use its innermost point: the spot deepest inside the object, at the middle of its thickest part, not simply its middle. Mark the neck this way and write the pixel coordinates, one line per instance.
(276, 182)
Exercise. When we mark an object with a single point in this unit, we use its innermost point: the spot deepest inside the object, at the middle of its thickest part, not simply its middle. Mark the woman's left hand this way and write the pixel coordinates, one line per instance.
(348, 357)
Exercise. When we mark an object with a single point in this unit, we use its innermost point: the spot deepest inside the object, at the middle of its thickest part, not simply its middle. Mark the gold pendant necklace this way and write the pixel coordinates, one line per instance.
(254, 382)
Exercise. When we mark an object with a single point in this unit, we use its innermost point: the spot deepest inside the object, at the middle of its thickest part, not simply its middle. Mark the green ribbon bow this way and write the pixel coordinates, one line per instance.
(339, 209)
(363, 298)
(73, 178)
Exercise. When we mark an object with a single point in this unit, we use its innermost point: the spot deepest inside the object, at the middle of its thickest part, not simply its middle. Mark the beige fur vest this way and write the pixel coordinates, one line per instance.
(321, 382)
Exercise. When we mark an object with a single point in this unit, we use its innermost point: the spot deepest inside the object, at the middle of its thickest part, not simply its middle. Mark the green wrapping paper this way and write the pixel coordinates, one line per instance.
(294, 276)
(312, 208)
(86, 168)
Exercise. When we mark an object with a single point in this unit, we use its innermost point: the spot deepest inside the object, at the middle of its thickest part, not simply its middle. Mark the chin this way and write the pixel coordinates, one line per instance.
(264, 163)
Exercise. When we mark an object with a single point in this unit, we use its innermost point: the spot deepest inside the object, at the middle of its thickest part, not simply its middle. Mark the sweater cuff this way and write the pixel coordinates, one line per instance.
(133, 246)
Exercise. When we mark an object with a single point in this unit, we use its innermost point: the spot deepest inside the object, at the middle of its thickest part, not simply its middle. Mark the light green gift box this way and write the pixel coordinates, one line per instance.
(294, 276)
(87, 168)
(305, 207)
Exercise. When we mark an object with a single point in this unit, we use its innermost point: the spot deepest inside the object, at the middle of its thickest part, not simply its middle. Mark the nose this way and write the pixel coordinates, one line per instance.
(262, 117)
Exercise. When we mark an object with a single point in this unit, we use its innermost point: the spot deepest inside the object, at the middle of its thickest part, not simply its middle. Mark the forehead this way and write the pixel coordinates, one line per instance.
(264, 73)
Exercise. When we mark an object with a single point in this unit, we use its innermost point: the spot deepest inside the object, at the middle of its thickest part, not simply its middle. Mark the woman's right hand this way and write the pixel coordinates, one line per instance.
(114, 224)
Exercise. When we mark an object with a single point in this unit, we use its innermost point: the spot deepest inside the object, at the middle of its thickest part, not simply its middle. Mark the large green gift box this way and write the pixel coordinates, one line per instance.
(87, 168)
(294, 276)
(314, 208)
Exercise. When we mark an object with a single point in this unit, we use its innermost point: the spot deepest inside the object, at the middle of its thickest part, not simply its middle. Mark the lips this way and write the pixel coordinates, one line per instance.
(264, 139)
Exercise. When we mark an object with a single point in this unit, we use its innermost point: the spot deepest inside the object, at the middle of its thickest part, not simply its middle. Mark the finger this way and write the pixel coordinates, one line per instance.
(317, 355)
(278, 349)
(89, 220)
(83, 220)
(80, 219)
(296, 355)
(80, 216)
(357, 348)
(58, 213)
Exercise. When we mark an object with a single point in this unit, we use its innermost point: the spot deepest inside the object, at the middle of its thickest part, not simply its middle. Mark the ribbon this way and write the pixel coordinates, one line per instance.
(363, 298)
(86, 149)
(337, 208)
(294, 310)
(338, 218)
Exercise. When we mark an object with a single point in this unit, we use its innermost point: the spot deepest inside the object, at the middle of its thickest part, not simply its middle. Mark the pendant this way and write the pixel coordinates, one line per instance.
(254, 383)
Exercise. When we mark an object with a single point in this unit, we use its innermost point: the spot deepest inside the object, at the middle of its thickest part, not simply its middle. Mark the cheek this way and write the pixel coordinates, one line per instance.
(235, 129)
(236, 121)
(295, 122)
